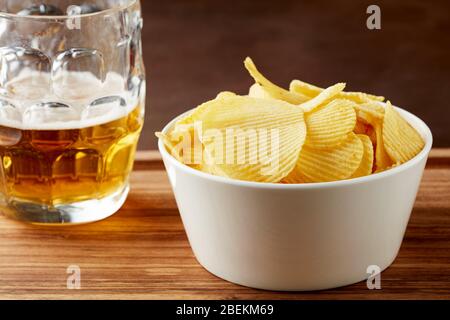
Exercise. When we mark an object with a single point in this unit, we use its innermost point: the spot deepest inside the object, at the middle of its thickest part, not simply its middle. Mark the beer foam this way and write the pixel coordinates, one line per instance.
(77, 90)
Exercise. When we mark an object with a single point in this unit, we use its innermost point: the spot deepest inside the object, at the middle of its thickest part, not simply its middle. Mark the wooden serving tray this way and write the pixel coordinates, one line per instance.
(142, 252)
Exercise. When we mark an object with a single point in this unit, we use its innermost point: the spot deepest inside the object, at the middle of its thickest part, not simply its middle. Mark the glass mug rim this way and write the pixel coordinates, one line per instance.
(128, 4)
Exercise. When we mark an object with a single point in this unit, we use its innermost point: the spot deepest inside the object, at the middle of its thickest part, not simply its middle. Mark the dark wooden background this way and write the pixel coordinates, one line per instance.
(194, 49)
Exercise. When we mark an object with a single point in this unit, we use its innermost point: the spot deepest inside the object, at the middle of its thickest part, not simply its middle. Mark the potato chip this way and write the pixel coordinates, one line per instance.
(331, 124)
(209, 166)
(225, 94)
(304, 88)
(312, 91)
(370, 109)
(364, 118)
(366, 129)
(252, 139)
(323, 97)
(186, 124)
(325, 165)
(184, 140)
(371, 134)
(402, 142)
(272, 89)
(304, 135)
(170, 146)
(296, 177)
(366, 166)
(360, 97)
(382, 159)
(361, 127)
(257, 91)
(388, 168)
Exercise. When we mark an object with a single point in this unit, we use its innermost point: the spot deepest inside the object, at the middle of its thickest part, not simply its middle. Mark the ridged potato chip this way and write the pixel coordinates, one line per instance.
(312, 91)
(330, 125)
(366, 124)
(272, 89)
(364, 118)
(209, 166)
(360, 127)
(187, 123)
(370, 109)
(263, 138)
(257, 91)
(366, 129)
(366, 166)
(402, 142)
(296, 177)
(302, 135)
(323, 97)
(184, 141)
(170, 146)
(382, 159)
(360, 97)
(330, 164)
(225, 94)
(388, 168)
(305, 88)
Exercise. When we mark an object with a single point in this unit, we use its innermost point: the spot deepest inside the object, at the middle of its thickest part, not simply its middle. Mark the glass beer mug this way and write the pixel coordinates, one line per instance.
(72, 93)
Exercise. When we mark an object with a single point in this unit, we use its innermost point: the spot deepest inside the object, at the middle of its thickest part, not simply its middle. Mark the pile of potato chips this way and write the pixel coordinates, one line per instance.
(320, 135)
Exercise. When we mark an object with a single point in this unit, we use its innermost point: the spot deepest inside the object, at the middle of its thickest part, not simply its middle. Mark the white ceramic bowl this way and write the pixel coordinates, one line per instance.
(297, 237)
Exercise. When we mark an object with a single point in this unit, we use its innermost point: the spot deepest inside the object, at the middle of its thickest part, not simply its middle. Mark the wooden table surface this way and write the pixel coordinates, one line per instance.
(143, 253)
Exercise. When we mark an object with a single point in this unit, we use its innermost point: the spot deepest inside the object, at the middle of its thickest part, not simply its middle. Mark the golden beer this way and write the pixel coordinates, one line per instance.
(53, 167)
(72, 100)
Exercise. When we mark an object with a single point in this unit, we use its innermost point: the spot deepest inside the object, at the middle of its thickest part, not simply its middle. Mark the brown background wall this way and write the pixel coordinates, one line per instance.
(194, 49)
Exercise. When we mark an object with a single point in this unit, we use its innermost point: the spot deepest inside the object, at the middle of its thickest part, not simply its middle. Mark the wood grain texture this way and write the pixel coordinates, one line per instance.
(143, 253)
